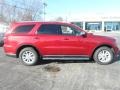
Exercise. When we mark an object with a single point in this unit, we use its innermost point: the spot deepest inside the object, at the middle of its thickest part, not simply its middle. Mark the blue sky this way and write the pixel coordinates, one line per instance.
(63, 7)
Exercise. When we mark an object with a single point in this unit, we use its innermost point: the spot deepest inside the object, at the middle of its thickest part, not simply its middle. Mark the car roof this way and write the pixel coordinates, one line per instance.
(38, 22)
(35, 22)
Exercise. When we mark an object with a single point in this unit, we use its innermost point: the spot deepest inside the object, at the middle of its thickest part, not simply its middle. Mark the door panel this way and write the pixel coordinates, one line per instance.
(49, 44)
(52, 42)
(60, 45)
(72, 45)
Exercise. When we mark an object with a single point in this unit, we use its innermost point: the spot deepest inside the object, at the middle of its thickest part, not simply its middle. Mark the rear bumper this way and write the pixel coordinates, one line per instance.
(11, 55)
(9, 50)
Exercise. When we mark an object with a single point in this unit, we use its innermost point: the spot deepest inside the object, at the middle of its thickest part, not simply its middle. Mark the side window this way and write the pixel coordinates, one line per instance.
(49, 29)
(67, 30)
(23, 29)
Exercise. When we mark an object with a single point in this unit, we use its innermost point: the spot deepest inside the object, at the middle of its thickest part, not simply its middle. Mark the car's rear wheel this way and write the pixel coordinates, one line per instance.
(103, 55)
(28, 56)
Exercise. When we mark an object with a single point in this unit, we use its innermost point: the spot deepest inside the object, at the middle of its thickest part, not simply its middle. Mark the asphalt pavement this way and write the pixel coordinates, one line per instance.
(58, 75)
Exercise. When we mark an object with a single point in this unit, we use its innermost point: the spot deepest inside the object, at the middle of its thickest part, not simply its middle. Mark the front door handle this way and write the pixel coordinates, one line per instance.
(36, 38)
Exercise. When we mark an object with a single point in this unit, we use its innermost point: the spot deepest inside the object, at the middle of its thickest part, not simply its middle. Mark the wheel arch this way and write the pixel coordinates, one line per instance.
(24, 46)
(103, 45)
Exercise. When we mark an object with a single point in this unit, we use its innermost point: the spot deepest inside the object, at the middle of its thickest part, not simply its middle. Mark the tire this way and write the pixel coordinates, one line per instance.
(28, 56)
(1, 43)
(103, 55)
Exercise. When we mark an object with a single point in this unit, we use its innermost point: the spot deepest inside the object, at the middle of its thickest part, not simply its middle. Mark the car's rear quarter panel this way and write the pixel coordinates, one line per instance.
(13, 41)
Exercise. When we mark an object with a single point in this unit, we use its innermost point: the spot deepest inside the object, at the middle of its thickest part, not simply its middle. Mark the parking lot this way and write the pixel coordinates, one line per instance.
(59, 75)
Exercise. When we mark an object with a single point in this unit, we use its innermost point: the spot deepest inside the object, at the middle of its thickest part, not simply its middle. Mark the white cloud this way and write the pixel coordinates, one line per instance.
(71, 16)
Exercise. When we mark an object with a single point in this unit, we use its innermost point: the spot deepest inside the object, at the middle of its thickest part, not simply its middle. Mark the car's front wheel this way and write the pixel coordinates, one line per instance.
(28, 56)
(103, 55)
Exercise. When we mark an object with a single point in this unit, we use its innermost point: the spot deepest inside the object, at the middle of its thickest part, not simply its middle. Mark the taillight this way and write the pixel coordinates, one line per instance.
(8, 32)
(10, 29)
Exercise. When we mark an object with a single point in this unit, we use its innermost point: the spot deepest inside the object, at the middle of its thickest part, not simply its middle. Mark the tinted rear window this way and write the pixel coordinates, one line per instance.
(23, 29)
(49, 29)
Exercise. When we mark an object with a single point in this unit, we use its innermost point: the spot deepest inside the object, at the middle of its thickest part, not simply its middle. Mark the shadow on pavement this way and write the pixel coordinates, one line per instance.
(64, 61)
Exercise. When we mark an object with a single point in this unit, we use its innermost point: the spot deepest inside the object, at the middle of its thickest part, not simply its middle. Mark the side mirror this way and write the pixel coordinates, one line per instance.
(84, 34)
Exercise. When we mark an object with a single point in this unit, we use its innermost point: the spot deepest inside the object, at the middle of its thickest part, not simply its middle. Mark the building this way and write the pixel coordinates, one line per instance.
(97, 22)
(3, 27)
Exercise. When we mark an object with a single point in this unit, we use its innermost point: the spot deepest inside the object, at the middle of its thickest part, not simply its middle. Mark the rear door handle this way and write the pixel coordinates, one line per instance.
(66, 39)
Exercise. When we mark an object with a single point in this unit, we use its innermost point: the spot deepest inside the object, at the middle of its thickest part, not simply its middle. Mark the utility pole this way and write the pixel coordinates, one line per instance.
(44, 10)
(14, 15)
(1, 11)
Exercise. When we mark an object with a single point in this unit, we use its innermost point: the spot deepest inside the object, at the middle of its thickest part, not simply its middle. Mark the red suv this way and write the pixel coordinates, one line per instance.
(35, 41)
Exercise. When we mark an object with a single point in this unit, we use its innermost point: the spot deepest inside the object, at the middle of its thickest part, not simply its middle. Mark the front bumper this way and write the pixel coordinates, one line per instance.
(117, 53)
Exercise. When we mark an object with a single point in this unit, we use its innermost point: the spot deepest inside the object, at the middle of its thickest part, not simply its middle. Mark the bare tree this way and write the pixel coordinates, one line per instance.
(1, 11)
(21, 10)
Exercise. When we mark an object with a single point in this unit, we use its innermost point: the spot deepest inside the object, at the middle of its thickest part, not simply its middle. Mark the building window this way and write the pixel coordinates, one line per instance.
(111, 26)
(80, 24)
(93, 25)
